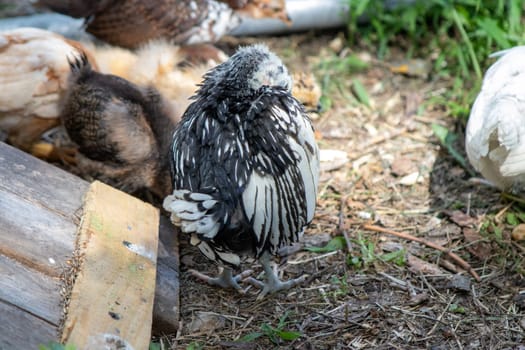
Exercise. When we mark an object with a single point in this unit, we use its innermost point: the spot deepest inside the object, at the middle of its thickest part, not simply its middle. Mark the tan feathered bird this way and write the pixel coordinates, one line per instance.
(162, 65)
(306, 89)
(177, 70)
(33, 73)
(495, 134)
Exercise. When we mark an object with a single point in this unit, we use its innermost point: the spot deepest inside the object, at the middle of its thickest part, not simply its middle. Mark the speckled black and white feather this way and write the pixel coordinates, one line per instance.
(245, 162)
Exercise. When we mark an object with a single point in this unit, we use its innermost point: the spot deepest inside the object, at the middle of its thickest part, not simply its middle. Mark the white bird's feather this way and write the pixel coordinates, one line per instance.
(190, 212)
(268, 201)
(495, 135)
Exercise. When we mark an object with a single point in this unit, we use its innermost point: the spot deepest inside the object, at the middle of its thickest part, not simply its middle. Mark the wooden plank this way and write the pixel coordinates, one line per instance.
(167, 300)
(40, 182)
(34, 332)
(33, 235)
(31, 291)
(112, 298)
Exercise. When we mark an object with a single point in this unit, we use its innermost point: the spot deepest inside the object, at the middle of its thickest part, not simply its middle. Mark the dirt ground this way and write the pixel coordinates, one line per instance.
(379, 291)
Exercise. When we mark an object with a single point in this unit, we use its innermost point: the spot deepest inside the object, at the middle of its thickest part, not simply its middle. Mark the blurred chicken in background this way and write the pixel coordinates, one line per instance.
(131, 23)
(174, 70)
(33, 73)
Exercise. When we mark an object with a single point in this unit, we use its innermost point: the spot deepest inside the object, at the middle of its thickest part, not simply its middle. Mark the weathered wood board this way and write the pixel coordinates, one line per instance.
(112, 298)
(41, 209)
(167, 307)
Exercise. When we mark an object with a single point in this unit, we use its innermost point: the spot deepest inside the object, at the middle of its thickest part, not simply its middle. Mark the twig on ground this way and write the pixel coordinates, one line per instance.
(500, 213)
(452, 255)
(513, 198)
(519, 246)
(441, 316)
(448, 265)
(400, 283)
(314, 258)
(370, 146)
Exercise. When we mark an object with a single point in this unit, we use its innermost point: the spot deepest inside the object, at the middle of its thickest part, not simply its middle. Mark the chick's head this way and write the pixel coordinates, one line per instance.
(249, 69)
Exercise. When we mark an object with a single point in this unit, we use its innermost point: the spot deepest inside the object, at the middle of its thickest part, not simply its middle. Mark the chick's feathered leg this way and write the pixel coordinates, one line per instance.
(225, 279)
(273, 284)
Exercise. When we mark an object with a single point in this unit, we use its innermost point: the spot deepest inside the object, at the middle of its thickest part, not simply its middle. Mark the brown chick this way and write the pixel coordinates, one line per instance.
(122, 131)
(306, 89)
(33, 73)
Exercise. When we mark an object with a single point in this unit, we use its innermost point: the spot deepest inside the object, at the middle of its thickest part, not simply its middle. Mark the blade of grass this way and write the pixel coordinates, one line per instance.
(467, 41)
(446, 138)
(360, 92)
(492, 29)
(336, 243)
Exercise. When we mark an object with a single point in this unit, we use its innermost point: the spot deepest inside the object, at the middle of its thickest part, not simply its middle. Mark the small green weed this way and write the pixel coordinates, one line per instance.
(497, 228)
(368, 256)
(455, 308)
(336, 243)
(195, 346)
(447, 140)
(275, 334)
(334, 73)
(342, 285)
(56, 346)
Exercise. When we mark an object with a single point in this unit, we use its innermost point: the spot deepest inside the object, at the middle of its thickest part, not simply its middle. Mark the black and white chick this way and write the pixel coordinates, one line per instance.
(245, 167)
(123, 131)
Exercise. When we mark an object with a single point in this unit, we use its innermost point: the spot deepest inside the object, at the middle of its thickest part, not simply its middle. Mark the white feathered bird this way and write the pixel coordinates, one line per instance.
(495, 135)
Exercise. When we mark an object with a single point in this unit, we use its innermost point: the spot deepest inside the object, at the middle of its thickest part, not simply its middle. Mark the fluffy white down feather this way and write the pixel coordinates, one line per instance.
(189, 211)
(495, 135)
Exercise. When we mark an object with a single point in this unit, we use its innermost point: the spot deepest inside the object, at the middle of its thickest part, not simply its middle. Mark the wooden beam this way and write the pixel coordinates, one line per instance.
(35, 236)
(167, 306)
(35, 331)
(111, 301)
(30, 291)
(40, 183)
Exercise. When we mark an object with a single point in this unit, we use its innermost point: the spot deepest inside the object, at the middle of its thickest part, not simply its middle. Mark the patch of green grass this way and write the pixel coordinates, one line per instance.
(56, 346)
(457, 309)
(195, 346)
(497, 229)
(334, 73)
(360, 92)
(398, 257)
(458, 35)
(447, 140)
(336, 243)
(276, 334)
(368, 256)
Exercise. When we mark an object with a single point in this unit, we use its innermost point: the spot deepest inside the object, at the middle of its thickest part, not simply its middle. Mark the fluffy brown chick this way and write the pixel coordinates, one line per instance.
(122, 130)
(306, 89)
